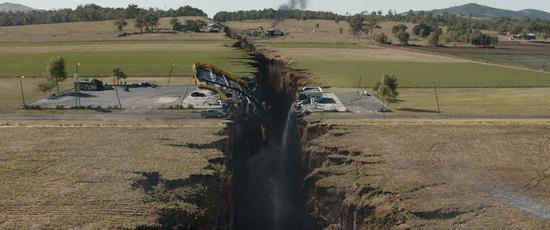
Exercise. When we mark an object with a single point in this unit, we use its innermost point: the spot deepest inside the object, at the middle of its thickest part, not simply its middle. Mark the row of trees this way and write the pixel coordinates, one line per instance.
(57, 73)
(189, 25)
(90, 12)
(276, 14)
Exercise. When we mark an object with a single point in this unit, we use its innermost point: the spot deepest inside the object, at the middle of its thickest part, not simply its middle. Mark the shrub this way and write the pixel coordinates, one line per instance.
(433, 39)
(382, 38)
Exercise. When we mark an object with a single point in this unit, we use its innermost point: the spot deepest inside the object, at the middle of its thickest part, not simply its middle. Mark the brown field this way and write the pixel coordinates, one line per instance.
(436, 175)
(329, 31)
(112, 47)
(374, 54)
(303, 31)
(91, 175)
(94, 31)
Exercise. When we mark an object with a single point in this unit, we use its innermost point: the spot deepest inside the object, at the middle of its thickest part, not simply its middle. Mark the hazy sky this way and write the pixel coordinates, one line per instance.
(339, 6)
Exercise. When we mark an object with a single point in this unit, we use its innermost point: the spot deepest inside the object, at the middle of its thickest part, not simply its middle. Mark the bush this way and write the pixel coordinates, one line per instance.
(382, 38)
(483, 40)
(433, 39)
(403, 37)
(398, 28)
(386, 89)
(422, 30)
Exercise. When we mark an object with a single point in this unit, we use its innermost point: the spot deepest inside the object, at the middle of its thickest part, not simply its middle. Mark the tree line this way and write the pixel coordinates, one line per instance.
(91, 12)
(224, 16)
(463, 27)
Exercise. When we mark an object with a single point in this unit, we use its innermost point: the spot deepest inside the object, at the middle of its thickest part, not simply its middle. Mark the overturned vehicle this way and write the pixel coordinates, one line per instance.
(238, 96)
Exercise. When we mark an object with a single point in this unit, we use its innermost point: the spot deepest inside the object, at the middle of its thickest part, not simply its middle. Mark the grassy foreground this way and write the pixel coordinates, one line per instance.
(421, 74)
(94, 175)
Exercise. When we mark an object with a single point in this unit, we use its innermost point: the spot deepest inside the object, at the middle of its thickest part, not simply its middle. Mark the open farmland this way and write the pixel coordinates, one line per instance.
(499, 102)
(342, 67)
(95, 31)
(421, 74)
(433, 174)
(135, 57)
(69, 175)
(523, 54)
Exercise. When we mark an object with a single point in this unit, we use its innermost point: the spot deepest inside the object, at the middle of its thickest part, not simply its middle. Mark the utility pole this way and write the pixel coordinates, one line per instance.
(185, 94)
(22, 92)
(169, 76)
(436, 98)
(116, 92)
(77, 99)
(359, 86)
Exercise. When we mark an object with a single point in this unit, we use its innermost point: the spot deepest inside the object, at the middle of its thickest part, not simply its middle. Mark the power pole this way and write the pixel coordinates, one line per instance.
(169, 76)
(22, 92)
(359, 86)
(75, 78)
(185, 94)
(117, 96)
(436, 98)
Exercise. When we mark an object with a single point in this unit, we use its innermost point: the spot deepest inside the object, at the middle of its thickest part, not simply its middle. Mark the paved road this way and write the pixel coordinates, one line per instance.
(105, 116)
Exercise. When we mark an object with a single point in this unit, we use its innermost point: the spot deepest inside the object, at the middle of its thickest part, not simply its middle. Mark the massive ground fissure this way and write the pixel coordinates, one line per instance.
(268, 173)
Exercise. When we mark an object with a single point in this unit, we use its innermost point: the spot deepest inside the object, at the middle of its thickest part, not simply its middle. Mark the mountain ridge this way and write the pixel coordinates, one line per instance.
(482, 11)
(15, 7)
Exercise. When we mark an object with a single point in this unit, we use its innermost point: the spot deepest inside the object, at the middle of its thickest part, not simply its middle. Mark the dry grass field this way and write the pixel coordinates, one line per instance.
(94, 31)
(436, 175)
(475, 101)
(102, 175)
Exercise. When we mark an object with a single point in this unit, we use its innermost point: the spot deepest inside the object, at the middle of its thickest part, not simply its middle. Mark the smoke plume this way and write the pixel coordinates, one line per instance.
(285, 9)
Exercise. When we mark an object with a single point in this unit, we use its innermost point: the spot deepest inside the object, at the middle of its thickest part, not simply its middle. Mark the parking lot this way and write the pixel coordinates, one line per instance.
(361, 104)
(137, 98)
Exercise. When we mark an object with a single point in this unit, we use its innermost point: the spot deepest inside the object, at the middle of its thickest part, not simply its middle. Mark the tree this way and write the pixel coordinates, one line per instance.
(382, 38)
(433, 38)
(403, 37)
(139, 22)
(483, 40)
(132, 11)
(120, 24)
(195, 25)
(387, 87)
(175, 23)
(398, 28)
(151, 20)
(118, 74)
(371, 25)
(357, 23)
(56, 70)
(46, 86)
(422, 30)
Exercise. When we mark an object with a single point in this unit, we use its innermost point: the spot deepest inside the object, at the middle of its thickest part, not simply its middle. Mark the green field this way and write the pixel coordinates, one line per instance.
(533, 61)
(421, 74)
(296, 45)
(136, 63)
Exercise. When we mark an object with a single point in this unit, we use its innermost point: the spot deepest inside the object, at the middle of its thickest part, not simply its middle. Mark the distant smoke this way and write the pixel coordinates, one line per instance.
(284, 9)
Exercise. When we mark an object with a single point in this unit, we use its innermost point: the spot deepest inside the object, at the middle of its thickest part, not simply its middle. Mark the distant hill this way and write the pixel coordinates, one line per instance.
(14, 7)
(481, 11)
